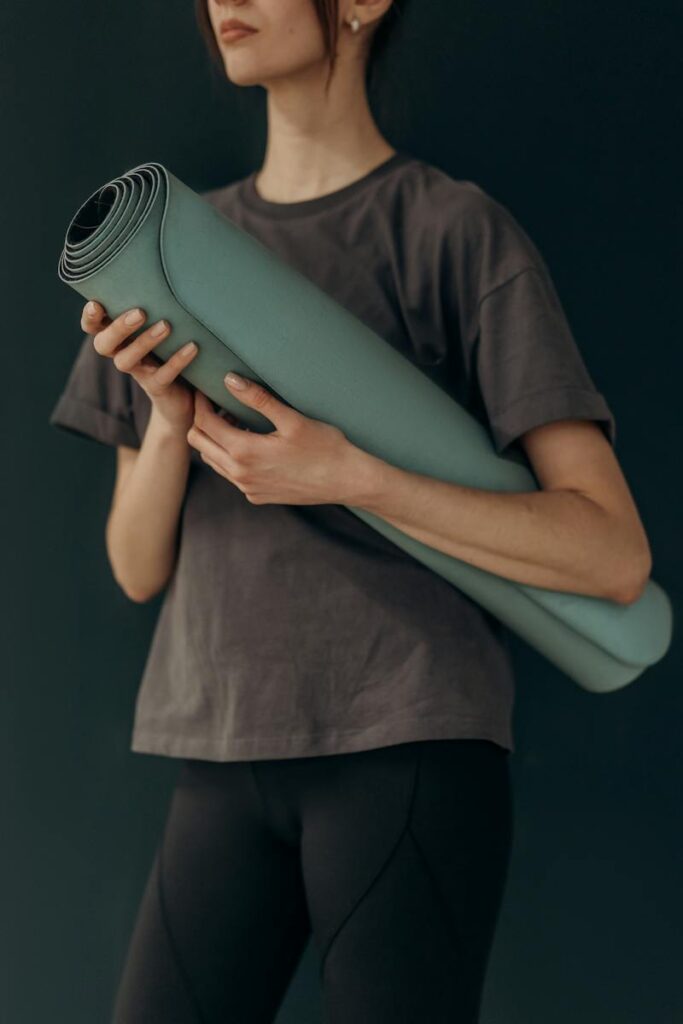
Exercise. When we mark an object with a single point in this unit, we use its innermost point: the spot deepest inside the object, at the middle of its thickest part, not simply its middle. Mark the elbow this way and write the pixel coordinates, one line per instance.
(132, 593)
(634, 579)
(630, 594)
(139, 596)
(142, 596)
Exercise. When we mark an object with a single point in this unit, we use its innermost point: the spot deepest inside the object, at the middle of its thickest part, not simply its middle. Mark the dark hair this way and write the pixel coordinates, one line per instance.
(328, 15)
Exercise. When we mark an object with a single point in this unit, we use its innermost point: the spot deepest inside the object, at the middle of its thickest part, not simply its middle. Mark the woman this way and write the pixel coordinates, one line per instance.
(342, 714)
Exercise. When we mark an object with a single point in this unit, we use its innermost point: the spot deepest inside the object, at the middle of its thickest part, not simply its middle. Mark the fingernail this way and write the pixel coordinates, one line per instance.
(159, 328)
(133, 316)
(91, 308)
(190, 346)
(235, 381)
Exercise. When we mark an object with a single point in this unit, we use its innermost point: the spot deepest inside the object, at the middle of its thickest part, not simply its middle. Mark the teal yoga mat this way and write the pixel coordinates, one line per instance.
(147, 239)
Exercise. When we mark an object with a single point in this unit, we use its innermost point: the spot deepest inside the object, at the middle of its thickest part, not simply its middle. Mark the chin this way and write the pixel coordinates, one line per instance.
(243, 72)
(243, 69)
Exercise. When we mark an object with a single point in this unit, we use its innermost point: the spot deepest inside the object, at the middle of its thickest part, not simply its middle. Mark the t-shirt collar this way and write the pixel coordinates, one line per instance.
(255, 202)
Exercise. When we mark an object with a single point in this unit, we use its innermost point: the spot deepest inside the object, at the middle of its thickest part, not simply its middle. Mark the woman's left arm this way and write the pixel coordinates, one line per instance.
(580, 532)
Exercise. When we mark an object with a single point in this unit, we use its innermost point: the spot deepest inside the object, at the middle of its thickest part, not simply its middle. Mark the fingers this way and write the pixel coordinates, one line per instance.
(169, 370)
(110, 337)
(127, 357)
(94, 317)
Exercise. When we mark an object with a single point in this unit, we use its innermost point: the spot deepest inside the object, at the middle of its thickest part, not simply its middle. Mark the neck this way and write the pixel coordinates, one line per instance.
(318, 142)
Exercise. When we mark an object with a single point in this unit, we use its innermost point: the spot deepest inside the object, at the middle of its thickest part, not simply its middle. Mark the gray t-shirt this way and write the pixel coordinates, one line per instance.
(298, 630)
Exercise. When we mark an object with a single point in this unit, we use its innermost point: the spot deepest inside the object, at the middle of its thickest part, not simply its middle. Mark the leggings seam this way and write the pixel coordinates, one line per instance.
(380, 869)
(441, 900)
(174, 950)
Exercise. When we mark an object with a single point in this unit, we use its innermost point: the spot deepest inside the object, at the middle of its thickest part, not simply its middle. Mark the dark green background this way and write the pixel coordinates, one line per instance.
(565, 112)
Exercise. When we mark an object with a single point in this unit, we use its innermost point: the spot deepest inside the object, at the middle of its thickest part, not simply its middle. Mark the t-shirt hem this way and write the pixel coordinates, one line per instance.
(548, 405)
(255, 748)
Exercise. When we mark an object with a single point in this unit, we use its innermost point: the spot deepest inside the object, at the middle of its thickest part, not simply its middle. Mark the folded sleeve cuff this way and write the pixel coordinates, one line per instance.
(78, 417)
(547, 406)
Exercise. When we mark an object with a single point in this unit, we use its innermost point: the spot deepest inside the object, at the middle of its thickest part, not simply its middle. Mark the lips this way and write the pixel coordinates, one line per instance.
(234, 25)
(236, 33)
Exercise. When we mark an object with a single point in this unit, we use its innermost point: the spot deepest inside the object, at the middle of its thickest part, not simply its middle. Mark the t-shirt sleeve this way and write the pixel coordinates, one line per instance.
(96, 400)
(529, 367)
(519, 346)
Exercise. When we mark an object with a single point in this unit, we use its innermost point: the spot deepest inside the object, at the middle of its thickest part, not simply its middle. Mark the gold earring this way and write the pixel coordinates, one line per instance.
(354, 23)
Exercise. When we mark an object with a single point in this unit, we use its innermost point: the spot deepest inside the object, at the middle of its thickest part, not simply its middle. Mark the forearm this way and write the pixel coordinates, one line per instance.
(142, 527)
(561, 540)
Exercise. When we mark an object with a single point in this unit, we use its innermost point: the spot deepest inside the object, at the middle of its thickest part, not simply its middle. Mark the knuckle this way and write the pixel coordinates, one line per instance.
(101, 343)
(104, 341)
(261, 397)
(241, 459)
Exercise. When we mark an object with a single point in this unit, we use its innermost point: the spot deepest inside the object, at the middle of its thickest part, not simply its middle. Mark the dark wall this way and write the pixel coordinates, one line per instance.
(565, 112)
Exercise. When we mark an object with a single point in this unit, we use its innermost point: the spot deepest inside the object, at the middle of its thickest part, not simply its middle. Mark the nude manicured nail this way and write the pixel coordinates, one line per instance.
(133, 316)
(159, 328)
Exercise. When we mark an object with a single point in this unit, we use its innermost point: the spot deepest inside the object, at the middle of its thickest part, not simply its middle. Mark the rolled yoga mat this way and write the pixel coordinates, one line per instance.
(147, 239)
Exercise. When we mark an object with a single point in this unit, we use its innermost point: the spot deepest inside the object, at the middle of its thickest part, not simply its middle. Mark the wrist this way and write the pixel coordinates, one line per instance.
(166, 431)
(367, 478)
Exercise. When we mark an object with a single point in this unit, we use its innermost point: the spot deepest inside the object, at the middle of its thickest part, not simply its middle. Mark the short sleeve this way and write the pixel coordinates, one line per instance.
(96, 401)
(529, 367)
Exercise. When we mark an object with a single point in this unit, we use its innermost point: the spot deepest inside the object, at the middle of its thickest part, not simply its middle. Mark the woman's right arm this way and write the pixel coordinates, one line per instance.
(142, 526)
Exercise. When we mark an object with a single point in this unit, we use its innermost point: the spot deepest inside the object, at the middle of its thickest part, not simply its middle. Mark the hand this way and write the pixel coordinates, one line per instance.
(172, 398)
(302, 462)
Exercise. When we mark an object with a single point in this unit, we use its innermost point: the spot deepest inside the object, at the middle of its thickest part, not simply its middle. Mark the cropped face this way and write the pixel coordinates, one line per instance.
(278, 39)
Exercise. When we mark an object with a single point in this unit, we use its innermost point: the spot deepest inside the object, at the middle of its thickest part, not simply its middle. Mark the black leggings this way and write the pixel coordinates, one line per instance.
(393, 859)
